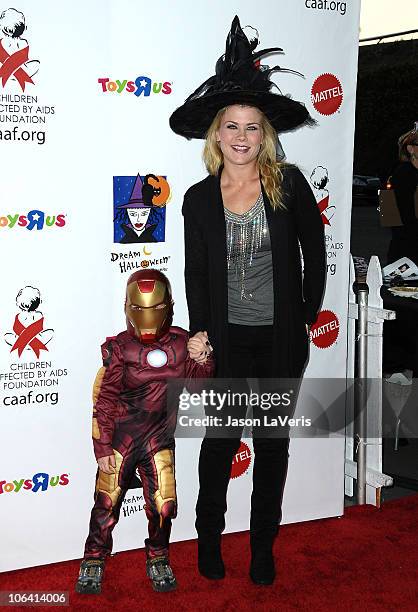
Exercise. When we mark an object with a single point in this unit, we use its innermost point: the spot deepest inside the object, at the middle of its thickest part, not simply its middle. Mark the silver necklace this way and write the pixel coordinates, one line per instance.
(244, 235)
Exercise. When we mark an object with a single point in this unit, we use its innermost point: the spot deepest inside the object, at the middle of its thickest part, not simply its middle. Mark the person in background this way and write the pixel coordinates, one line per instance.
(404, 181)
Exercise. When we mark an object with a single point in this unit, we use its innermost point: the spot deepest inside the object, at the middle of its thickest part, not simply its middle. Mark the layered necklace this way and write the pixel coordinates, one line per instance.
(244, 236)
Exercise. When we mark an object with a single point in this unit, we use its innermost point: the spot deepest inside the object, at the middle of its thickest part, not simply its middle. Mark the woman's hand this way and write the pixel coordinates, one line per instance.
(107, 464)
(199, 347)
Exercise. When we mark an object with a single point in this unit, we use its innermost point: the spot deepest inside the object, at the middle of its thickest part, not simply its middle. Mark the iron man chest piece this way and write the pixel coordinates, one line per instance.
(157, 358)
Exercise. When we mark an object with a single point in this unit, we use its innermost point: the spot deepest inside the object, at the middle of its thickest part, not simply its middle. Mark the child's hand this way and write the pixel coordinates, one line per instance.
(199, 347)
(107, 464)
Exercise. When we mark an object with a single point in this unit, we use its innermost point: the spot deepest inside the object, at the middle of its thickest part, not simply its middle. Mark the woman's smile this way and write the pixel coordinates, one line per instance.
(240, 148)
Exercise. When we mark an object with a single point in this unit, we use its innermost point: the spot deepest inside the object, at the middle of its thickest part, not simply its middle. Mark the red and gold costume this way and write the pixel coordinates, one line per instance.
(131, 417)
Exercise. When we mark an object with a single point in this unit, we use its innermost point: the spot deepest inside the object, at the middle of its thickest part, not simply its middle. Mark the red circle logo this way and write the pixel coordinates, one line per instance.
(327, 94)
(241, 461)
(324, 331)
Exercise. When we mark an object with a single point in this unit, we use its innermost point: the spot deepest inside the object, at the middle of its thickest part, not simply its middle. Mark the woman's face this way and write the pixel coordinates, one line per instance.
(240, 134)
(138, 218)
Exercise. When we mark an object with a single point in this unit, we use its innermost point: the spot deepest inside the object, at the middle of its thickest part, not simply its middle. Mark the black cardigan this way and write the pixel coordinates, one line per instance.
(296, 300)
(405, 181)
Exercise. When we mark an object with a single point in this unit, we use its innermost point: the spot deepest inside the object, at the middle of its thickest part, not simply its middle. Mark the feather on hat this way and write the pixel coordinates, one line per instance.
(239, 79)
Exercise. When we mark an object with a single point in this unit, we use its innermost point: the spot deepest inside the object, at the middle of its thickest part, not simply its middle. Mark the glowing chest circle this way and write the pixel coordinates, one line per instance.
(157, 358)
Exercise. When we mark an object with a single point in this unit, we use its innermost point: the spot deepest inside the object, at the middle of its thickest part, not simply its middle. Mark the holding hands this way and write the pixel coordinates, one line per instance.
(199, 347)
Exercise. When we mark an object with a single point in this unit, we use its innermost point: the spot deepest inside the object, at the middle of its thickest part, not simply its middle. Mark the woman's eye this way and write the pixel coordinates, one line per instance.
(231, 127)
(252, 127)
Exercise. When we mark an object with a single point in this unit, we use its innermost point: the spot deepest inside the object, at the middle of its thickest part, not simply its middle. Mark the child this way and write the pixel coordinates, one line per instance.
(133, 425)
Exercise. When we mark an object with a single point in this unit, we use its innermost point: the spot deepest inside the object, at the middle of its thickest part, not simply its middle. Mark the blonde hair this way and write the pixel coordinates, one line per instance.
(270, 169)
(404, 141)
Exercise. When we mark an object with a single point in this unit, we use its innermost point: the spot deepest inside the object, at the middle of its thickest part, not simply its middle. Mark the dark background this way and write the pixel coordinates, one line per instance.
(387, 104)
(386, 107)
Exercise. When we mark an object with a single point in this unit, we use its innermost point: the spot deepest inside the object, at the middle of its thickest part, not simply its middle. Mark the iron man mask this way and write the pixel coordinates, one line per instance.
(148, 305)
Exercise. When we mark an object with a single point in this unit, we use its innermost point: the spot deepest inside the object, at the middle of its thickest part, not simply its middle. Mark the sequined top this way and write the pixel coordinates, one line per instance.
(250, 271)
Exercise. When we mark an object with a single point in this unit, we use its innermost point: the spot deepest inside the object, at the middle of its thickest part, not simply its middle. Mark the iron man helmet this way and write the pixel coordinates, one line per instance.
(148, 305)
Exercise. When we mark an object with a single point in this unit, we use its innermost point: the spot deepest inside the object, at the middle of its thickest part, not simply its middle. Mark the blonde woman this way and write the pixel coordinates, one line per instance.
(245, 288)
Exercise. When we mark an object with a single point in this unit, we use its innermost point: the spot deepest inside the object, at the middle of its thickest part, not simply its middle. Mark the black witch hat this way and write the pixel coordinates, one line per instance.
(239, 79)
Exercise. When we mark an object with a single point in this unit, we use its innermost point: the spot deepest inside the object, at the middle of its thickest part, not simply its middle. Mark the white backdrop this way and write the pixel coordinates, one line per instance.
(63, 140)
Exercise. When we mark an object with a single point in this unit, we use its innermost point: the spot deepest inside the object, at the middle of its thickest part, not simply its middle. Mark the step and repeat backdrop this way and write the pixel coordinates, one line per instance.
(86, 90)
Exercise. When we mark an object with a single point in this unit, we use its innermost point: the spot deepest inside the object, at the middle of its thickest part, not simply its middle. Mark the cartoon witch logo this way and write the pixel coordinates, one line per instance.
(28, 328)
(14, 50)
(319, 181)
(142, 217)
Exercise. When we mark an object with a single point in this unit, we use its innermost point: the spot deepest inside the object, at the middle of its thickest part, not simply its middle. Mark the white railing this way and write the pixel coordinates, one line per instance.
(376, 315)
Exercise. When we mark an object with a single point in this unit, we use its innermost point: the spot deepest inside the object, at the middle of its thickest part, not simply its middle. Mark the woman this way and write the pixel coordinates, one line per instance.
(243, 227)
(401, 337)
(404, 181)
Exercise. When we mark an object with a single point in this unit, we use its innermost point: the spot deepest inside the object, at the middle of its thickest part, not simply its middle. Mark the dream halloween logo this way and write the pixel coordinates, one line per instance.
(139, 208)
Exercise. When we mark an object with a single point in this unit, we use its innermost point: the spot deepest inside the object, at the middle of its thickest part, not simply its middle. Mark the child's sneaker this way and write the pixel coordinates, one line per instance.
(161, 574)
(90, 577)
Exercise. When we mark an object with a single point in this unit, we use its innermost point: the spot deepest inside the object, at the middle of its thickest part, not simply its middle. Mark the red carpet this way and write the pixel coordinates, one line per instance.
(367, 560)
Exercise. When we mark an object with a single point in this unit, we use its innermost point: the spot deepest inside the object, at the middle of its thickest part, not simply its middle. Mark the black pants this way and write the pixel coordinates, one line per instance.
(250, 356)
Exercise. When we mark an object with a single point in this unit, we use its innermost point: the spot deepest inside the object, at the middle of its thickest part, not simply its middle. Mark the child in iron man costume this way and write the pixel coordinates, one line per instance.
(133, 425)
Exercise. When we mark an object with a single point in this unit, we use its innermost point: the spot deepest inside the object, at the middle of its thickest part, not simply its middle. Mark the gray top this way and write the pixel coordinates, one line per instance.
(250, 270)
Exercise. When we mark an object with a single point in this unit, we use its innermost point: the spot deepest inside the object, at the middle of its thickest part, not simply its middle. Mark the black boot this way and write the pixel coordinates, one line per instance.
(214, 471)
(262, 570)
(269, 475)
(210, 561)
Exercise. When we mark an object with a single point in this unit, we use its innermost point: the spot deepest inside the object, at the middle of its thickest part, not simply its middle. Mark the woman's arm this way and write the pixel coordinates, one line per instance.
(195, 269)
(310, 230)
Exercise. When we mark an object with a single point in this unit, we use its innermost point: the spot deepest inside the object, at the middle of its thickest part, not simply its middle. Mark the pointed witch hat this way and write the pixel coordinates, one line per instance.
(136, 199)
(239, 79)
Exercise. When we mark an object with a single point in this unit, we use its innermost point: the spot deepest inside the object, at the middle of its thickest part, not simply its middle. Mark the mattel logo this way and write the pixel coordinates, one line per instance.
(39, 482)
(241, 461)
(327, 94)
(324, 332)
